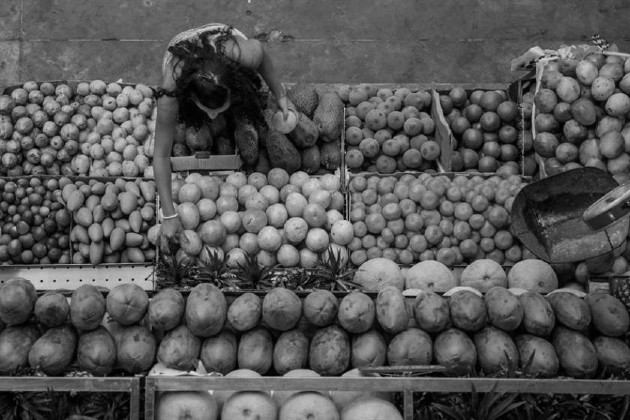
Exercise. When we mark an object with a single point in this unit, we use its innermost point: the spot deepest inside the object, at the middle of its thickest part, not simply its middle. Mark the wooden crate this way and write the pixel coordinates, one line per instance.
(130, 385)
(407, 385)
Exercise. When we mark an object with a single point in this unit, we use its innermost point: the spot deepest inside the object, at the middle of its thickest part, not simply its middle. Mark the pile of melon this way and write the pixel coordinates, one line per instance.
(276, 218)
(88, 128)
(389, 130)
(580, 115)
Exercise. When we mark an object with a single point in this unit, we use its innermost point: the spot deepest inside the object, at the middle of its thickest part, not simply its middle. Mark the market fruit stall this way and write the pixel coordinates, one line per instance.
(364, 251)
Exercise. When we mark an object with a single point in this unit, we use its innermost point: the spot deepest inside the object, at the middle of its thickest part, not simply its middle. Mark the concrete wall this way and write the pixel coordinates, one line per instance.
(322, 41)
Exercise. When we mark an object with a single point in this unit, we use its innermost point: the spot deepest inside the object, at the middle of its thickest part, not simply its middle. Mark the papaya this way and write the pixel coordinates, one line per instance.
(54, 351)
(537, 356)
(571, 311)
(51, 309)
(311, 159)
(329, 351)
(290, 351)
(468, 311)
(576, 353)
(328, 116)
(538, 316)
(281, 152)
(410, 347)
(305, 98)
(330, 155)
(281, 309)
(87, 307)
(15, 344)
(391, 310)
(246, 140)
(179, 349)
(609, 315)
(166, 309)
(320, 307)
(496, 351)
(127, 303)
(356, 312)
(504, 308)
(612, 353)
(431, 312)
(305, 133)
(218, 353)
(456, 351)
(135, 348)
(206, 310)
(255, 350)
(96, 352)
(17, 301)
(368, 349)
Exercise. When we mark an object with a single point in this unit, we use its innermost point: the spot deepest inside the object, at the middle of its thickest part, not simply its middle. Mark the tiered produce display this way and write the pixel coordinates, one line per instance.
(579, 116)
(295, 268)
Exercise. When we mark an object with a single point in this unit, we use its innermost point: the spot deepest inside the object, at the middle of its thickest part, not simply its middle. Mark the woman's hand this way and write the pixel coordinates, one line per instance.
(170, 233)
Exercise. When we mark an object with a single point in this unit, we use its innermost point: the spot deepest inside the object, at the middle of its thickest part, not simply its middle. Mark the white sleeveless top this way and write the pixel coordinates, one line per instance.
(194, 33)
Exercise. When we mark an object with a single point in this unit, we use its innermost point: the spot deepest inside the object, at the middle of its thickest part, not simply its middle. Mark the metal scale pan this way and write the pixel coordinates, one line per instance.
(564, 218)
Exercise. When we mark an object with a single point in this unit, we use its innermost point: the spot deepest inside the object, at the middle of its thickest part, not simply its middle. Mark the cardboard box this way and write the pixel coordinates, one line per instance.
(204, 161)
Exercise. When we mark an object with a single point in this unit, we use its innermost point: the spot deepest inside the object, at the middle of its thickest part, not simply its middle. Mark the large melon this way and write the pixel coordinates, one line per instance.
(533, 275)
(281, 309)
(431, 312)
(391, 310)
(370, 408)
(206, 310)
(53, 352)
(570, 310)
(430, 275)
(329, 353)
(166, 309)
(17, 300)
(255, 350)
(538, 316)
(52, 309)
(576, 353)
(468, 310)
(356, 312)
(609, 314)
(368, 349)
(455, 350)
(411, 347)
(281, 396)
(127, 303)
(345, 398)
(376, 273)
(179, 349)
(190, 405)
(290, 351)
(15, 344)
(96, 352)
(245, 312)
(308, 405)
(320, 307)
(218, 353)
(87, 307)
(504, 308)
(496, 351)
(537, 356)
(135, 347)
(612, 353)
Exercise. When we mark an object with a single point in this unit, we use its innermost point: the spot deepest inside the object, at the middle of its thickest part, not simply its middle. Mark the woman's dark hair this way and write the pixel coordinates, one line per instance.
(208, 74)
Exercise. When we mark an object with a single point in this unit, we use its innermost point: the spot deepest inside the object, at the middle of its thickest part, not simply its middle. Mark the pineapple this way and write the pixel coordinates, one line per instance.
(620, 288)
(252, 275)
(333, 274)
(179, 274)
(215, 270)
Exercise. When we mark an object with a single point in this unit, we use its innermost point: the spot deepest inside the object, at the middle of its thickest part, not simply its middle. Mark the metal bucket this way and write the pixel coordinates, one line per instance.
(547, 217)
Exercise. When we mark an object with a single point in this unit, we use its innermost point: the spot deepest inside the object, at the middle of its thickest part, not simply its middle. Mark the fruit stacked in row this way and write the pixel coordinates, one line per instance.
(277, 218)
(418, 217)
(111, 219)
(485, 127)
(309, 140)
(34, 226)
(92, 128)
(278, 405)
(580, 115)
(389, 130)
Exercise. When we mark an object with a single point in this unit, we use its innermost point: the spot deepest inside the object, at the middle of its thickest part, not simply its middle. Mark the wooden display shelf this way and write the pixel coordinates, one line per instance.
(71, 276)
(129, 385)
(407, 385)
